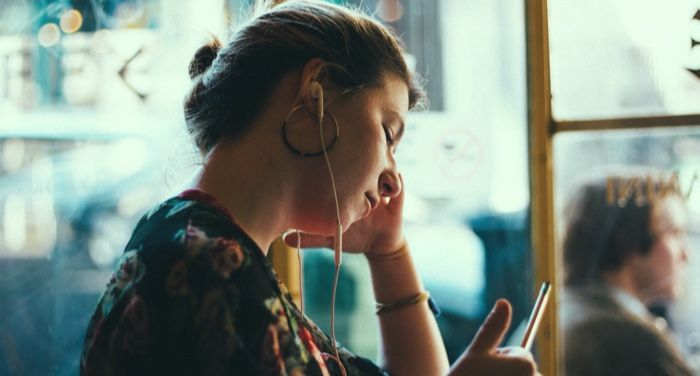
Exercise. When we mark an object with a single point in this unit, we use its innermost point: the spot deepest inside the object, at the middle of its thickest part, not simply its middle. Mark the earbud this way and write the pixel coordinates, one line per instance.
(317, 94)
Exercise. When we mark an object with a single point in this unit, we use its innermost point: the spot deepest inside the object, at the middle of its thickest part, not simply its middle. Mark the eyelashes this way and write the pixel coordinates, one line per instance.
(389, 136)
(390, 140)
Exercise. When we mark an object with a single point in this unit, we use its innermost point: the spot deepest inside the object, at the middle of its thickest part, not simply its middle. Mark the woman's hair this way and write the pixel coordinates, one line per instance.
(232, 82)
(608, 219)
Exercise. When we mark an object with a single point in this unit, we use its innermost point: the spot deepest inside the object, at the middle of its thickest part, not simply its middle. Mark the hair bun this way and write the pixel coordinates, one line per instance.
(203, 58)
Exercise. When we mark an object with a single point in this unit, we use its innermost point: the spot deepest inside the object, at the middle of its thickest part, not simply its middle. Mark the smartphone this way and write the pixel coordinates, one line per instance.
(536, 316)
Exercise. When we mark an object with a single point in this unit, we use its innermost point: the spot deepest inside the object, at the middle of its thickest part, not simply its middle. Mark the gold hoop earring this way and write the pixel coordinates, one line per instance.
(308, 154)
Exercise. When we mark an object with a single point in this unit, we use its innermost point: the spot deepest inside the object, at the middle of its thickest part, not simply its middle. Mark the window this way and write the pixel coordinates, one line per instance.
(639, 59)
(92, 136)
(624, 92)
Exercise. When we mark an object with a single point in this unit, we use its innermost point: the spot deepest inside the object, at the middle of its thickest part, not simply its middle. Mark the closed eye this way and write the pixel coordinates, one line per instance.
(389, 136)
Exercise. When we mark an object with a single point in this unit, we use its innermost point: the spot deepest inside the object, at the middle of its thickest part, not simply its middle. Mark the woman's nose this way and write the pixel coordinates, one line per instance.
(389, 184)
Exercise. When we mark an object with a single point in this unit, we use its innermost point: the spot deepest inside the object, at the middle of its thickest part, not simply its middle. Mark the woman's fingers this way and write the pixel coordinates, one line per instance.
(483, 357)
(307, 240)
(514, 351)
(493, 329)
(379, 232)
(350, 241)
(518, 366)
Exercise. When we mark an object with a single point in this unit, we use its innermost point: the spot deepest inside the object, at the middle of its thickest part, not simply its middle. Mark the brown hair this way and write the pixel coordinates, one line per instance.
(231, 83)
(601, 230)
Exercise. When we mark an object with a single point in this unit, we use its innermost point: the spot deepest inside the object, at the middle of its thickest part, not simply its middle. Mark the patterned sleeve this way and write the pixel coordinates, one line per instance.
(170, 311)
(194, 295)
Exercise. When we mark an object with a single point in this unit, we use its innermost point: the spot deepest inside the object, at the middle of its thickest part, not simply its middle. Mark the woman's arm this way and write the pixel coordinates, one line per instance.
(411, 343)
(410, 339)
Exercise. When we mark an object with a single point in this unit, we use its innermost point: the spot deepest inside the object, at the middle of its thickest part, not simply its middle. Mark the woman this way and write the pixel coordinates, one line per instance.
(298, 117)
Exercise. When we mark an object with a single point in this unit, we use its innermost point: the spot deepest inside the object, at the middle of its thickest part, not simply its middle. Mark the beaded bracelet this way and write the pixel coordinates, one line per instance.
(421, 297)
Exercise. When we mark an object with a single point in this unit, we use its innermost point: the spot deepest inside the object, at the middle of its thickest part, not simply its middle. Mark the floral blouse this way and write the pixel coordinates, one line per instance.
(194, 295)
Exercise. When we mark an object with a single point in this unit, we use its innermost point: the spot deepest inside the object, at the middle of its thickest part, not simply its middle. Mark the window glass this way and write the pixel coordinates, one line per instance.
(632, 170)
(624, 58)
(92, 135)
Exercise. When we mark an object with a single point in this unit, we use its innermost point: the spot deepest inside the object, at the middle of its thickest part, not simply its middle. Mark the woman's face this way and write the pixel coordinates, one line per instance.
(371, 123)
(660, 273)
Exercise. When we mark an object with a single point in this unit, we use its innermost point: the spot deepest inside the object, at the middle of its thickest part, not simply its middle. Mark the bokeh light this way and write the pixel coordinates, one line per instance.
(390, 10)
(49, 34)
(130, 13)
(71, 21)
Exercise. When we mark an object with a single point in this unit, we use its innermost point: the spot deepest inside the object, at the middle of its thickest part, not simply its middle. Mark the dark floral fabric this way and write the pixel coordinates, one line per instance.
(194, 295)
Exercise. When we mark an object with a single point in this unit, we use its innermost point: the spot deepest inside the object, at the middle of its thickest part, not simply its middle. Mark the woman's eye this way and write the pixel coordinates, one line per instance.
(389, 136)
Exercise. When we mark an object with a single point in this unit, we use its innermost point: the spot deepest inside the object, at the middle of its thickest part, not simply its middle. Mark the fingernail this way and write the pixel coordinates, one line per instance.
(496, 305)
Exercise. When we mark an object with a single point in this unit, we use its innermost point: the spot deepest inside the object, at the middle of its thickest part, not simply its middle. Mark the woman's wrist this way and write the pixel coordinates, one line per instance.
(423, 296)
(399, 252)
(394, 276)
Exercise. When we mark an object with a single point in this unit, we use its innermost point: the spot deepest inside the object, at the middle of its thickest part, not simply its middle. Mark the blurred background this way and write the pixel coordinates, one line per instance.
(92, 135)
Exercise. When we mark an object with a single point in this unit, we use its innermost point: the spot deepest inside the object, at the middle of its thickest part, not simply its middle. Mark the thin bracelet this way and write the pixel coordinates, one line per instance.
(411, 300)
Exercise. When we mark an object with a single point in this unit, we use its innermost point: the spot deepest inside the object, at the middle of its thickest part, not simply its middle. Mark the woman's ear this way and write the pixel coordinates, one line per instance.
(311, 87)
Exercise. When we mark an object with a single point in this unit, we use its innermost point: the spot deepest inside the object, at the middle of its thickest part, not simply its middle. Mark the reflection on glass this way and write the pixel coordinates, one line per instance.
(623, 58)
(627, 233)
(14, 224)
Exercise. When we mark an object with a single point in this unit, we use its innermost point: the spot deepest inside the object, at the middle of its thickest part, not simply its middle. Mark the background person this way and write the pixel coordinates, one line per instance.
(624, 248)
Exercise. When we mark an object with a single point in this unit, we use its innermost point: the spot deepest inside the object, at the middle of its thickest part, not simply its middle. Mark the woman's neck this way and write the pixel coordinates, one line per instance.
(249, 185)
(252, 177)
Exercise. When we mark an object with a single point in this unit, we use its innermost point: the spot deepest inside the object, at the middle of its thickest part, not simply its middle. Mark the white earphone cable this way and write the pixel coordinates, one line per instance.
(301, 274)
(338, 247)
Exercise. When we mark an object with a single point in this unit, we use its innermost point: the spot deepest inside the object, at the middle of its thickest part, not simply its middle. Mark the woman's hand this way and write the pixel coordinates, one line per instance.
(379, 235)
(483, 357)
